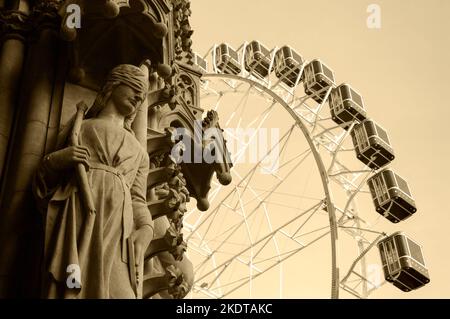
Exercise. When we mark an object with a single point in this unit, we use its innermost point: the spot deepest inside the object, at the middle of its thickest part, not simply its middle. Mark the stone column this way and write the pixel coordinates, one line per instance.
(17, 209)
(12, 51)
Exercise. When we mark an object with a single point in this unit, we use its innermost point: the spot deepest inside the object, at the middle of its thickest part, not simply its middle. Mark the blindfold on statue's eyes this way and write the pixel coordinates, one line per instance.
(126, 74)
(130, 75)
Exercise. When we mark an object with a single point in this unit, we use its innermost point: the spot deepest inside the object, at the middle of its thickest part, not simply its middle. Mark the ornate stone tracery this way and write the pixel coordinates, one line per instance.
(183, 31)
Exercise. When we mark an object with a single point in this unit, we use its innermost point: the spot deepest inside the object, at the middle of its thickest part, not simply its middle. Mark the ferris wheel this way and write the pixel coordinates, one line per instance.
(312, 192)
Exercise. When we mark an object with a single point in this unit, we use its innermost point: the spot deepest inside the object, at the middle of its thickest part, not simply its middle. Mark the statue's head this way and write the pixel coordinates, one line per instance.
(127, 87)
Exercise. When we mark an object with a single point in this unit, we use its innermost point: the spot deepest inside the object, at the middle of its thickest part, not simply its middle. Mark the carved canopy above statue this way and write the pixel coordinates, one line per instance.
(138, 32)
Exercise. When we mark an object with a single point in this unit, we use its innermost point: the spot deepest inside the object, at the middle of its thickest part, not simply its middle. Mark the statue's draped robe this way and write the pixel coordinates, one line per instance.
(118, 178)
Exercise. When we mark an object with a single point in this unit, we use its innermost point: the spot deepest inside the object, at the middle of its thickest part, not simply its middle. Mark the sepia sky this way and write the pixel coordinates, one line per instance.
(402, 70)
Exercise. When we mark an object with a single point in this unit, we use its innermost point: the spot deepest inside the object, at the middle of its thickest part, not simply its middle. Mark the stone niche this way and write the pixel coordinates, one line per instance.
(130, 32)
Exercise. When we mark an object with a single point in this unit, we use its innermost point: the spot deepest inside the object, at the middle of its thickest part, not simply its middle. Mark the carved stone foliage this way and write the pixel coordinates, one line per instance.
(170, 193)
(172, 242)
(178, 287)
(173, 281)
(167, 196)
(45, 14)
(14, 24)
(186, 85)
(183, 31)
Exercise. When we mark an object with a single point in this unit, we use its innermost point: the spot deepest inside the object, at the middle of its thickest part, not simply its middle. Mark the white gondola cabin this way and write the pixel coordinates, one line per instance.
(391, 196)
(227, 59)
(288, 65)
(201, 63)
(317, 79)
(257, 59)
(403, 262)
(346, 106)
(372, 144)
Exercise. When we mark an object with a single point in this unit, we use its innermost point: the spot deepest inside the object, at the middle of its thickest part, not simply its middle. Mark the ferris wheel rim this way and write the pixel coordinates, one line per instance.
(335, 283)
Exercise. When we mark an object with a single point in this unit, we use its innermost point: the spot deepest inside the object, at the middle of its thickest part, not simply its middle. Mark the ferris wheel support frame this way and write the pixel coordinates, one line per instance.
(330, 208)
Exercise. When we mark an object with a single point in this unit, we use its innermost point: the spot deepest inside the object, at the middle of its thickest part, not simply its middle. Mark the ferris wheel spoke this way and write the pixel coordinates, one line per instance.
(347, 177)
(237, 226)
(314, 121)
(218, 276)
(281, 155)
(217, 104)
(234, 282)
(281, 205)
(312, 232)
(363, 229)
(351, 291)
(242, 151)
(279, 262)
(357, 283)
(198, 250)
(207, 292)
(338, 147)
(268, 202)
(350, 172)
(270, 192)
(300, 102)
(235, 191)
(353, 194)
(360, 257)
(264, 245)
(264, 113)
(249, 173)
(326, 130)
(329, 141)
(286, 194)
(207, 90)
(319, 108)
(363, 281)
(308, 219)
(303, 154)
(279, 259)
(354, 233)
(275, 241)
(268, 236)
(312, 110)
(250, 264)
(376, 287)
(241, 102)
(295, 250)
(247, 227)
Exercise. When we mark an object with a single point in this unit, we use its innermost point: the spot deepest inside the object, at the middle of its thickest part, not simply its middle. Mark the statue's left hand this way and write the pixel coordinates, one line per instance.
(141, 239)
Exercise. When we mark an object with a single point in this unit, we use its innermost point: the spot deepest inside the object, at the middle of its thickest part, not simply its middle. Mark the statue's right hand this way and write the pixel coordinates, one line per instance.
(68, 157)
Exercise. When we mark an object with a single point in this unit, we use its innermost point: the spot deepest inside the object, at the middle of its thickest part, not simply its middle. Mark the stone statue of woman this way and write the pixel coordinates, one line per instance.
(117, 168)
